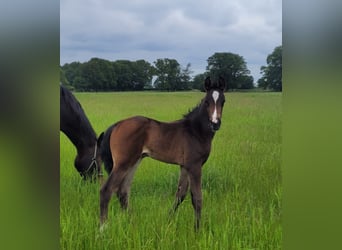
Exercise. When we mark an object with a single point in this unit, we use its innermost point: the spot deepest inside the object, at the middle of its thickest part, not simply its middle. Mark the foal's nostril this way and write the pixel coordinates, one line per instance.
(216, 125)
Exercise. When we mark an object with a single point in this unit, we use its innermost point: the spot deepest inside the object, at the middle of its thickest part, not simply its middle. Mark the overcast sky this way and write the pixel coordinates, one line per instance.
(189, 31)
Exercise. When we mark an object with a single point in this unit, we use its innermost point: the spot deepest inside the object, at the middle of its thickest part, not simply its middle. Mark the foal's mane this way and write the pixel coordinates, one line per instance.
(193, 112)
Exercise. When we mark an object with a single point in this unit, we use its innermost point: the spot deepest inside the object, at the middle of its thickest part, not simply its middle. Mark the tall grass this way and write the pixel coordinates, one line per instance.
(241, 180)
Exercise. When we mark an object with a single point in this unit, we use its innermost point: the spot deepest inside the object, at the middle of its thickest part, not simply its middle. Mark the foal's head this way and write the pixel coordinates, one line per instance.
(214, 101)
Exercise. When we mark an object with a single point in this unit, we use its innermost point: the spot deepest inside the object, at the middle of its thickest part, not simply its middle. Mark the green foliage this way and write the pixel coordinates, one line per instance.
(72, 71)
(63, 80)
(198, 80)
(103, 75)
(124, 75)
(98, 74)
(185, 78)
(170, 76)
(142, 75)
(232, 68)
(241, 181)
(272, 73)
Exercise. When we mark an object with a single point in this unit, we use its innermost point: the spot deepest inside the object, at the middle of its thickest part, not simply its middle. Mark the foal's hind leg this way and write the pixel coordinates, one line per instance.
(125, 186)
(183, 185)
(111, 185)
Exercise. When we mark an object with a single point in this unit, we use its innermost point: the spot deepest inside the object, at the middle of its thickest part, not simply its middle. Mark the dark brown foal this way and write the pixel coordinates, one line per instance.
(186, 142)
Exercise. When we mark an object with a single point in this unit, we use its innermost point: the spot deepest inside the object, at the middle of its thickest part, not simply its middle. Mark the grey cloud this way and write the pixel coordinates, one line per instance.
(189, 31)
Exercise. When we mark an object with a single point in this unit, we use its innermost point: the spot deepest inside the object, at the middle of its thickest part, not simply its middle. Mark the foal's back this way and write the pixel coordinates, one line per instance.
(139, 136)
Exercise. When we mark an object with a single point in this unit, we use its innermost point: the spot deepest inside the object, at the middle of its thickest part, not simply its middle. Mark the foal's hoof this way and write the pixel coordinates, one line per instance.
(103, 226)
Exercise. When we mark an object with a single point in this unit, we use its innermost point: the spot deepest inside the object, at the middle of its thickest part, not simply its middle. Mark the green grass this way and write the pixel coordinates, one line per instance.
(241, 180)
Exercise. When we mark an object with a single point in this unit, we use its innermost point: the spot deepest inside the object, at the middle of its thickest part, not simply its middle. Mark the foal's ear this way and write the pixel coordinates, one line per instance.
(207, 84)
(221, 83)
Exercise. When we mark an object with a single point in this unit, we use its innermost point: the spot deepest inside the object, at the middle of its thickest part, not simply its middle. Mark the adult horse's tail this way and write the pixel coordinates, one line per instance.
(104, 145)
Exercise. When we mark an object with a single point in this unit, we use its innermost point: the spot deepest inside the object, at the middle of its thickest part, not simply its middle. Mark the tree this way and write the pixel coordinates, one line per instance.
(71, 71)
(245, 82)
(232, 68)
(133, 75)
(198, 80)
(80, 84)
(63, 80)
(98, 74)
(123, 70)
(170, 76)
(142, 74)
(272, 73)
(185, 79)
(102, 75)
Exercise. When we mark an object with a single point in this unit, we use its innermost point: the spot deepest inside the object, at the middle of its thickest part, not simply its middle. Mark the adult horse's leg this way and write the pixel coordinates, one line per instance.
(183, 185)
(196, 193)
(107, 190)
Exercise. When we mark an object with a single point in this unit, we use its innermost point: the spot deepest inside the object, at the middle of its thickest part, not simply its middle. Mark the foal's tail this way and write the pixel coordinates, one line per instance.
(105, 152)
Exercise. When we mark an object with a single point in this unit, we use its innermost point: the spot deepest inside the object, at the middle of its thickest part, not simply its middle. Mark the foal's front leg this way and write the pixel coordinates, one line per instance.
(196, 193)
(183, 185)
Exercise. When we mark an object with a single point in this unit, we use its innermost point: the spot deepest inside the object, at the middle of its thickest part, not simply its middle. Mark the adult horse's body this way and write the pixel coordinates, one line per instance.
(186, 142)
(76, 126)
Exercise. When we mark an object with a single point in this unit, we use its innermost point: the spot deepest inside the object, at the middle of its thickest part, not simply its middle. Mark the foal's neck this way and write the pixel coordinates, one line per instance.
(199, 122)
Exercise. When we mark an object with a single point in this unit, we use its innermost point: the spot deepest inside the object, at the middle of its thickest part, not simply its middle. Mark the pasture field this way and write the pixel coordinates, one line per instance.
(241, 181)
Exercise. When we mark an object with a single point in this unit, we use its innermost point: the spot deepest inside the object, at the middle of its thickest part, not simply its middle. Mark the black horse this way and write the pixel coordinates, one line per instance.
(76, 126)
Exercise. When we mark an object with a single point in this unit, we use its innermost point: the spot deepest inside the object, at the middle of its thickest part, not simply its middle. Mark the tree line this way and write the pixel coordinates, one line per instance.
(167, 74)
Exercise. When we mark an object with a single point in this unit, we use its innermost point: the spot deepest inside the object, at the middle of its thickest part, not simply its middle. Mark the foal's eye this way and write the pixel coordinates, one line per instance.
(206, 103)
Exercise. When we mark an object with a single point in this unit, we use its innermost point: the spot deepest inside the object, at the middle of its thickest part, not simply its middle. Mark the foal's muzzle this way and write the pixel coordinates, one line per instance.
(215, 126)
